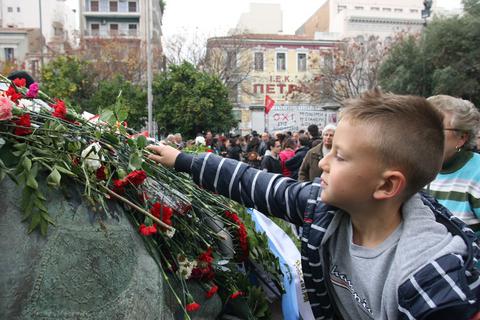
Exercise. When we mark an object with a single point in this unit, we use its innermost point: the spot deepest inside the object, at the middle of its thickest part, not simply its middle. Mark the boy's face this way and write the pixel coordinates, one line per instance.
(351, 170)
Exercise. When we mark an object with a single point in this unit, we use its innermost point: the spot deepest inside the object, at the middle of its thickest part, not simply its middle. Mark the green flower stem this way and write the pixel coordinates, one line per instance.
(133, 205)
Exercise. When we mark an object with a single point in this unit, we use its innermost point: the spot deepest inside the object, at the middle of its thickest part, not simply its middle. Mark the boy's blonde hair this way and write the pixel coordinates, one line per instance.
(408, 133)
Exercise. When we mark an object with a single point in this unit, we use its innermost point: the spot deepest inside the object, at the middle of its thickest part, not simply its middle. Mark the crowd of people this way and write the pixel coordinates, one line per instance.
(292, 154)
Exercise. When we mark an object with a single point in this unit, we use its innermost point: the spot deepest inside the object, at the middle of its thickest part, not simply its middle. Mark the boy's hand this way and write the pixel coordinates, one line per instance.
(163, 154)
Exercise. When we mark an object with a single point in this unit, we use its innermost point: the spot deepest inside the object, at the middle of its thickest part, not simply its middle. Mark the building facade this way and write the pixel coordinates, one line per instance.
(124, 21)
(33, 30)
(353, 18)
(274, 66)
(265, 18)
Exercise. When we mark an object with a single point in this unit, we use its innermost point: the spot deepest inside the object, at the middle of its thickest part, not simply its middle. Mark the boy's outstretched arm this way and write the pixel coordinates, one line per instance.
(271, 194)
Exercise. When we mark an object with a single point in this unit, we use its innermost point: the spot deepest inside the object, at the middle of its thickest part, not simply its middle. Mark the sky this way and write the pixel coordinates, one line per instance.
(208, 18)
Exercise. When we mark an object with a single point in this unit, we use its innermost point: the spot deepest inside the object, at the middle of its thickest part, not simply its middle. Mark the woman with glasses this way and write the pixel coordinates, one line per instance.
(457, 185)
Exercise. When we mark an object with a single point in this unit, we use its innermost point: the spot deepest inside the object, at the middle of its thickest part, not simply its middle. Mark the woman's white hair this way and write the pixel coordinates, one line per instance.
(465, 116)
(329, 126)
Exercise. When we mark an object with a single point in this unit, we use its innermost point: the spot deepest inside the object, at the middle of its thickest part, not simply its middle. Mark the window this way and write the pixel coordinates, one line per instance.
(387, 9)
(18, 9)
(9, 56)
(398, 10)
(341, 8)
(281, 61)
(132, 29)
(231, 60)
(413, 11)
(132, 6)
(113, 6)
(358, 8)
(10, 9)
(95, 27)
(258, 61)
(114, 29)
(94, 6)
(328, 60)
(302, 61)
(375, 8)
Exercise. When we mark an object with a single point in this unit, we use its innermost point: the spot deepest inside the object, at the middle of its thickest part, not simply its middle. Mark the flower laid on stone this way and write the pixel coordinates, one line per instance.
(177, 220)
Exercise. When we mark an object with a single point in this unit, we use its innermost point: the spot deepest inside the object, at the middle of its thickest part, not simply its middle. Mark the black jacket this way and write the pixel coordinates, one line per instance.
(294, 163)
(270, 164)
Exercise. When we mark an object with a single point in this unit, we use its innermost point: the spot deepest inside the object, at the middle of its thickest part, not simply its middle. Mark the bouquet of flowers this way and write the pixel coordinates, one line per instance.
(195, 235)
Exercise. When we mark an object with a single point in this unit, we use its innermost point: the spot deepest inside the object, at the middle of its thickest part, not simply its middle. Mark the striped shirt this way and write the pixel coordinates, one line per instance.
(458, 187)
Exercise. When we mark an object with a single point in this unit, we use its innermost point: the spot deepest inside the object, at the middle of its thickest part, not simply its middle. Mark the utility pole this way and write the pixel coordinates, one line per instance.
(149, 28)
(41, 33)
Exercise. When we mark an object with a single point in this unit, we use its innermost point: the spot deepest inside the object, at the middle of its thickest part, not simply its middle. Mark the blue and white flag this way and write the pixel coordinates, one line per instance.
(295, 304)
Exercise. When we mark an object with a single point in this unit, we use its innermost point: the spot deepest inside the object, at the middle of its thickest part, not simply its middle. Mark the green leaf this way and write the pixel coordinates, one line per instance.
(47, 217)
(27, 164)
(141, 142)
(54, 178)
(135, 162)
(122, 114)
(32, 182)
(108, 116)
(66, 171)
(43, 227)
(31, 175)
(20, 146)
(35, 221)
(18, 153)
(2, 143)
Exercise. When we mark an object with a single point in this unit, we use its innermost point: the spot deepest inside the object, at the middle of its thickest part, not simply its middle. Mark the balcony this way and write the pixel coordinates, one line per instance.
(111, 14)
(122, 33)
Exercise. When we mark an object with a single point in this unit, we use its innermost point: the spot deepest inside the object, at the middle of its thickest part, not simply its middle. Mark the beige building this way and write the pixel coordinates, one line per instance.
(266, 18)
(273, 65)
(353, 18)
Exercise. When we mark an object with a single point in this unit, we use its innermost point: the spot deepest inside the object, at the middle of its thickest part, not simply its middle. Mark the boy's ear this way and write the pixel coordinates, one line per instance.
(392, 184)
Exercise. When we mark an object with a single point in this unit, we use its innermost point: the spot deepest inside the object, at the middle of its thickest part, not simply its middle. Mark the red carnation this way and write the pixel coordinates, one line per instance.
(101, 173)
(23, 124)
(192, 307)
(147, 230)
(60, 111)
(20, 82)
(236, 294)
(136, 177)
(118, 185)
(211, 292)
(13, 94)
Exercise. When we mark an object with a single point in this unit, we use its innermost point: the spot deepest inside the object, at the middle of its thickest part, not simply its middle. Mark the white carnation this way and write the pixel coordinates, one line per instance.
(90, 156)
(200, 141)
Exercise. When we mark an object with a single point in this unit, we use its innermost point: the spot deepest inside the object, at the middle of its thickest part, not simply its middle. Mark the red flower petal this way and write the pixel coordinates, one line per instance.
(192, 307)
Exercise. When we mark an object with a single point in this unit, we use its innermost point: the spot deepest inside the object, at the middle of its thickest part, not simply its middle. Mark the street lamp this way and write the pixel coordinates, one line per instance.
(427, 10)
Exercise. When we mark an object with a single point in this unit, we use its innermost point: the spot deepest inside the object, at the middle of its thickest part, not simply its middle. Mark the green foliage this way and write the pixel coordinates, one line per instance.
(68, 78)
(122, 96)
(472, 7)
(443, 60)
(190, 101)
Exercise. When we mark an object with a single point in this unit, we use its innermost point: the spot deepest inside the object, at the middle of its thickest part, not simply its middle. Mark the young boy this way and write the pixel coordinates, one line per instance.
(372, 247)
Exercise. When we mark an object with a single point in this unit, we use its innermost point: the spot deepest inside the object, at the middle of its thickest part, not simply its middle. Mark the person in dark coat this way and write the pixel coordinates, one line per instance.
(234, 151)
(293, 164)
(270, 161)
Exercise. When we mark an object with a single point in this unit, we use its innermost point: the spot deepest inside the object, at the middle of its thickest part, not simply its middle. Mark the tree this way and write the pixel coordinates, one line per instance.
(443, 60)
(349, 69)
(68, 78)
(190, 101)
(118, 90)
